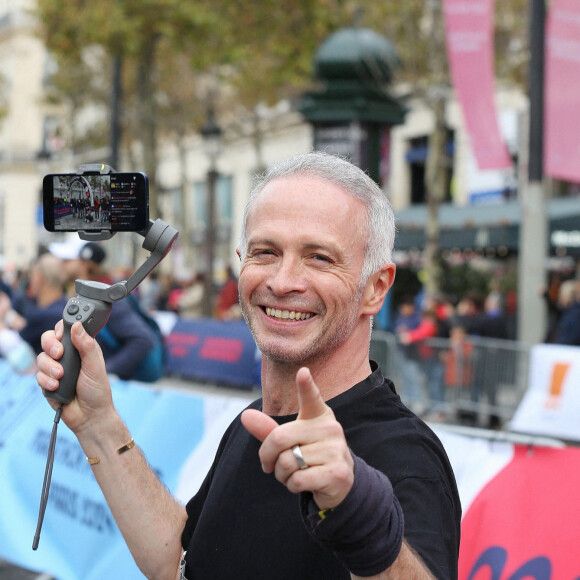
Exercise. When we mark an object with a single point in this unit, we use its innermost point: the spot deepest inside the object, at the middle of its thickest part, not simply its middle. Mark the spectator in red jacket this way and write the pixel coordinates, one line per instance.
(227, 305)
(429, 361)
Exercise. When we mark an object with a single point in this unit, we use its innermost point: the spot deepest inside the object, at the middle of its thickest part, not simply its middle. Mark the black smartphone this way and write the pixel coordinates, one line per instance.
(116, 202)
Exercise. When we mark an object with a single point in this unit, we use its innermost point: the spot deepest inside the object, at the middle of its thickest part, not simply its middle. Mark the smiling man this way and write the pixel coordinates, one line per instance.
(328, 475)
(300, 284)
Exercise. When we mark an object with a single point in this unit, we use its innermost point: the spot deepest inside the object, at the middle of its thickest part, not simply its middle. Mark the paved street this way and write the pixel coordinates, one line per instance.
(70, 222)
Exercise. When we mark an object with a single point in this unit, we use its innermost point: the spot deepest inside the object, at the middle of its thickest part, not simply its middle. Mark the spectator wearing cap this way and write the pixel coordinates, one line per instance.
(126, 339)
(81, 260)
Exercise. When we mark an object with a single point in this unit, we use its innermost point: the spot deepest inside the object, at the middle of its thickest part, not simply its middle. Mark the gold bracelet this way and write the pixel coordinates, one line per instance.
(129, 445)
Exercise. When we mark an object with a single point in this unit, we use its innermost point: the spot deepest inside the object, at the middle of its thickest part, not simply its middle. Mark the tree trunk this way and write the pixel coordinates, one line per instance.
(435, 184)
(435, 180)
(148, 121)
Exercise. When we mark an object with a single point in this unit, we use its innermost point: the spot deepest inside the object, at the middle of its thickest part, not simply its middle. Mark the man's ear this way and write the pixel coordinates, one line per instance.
(376, 289)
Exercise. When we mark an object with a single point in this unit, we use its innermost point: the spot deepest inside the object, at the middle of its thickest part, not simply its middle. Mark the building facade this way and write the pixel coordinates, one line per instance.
(22, 68)
(31, 145)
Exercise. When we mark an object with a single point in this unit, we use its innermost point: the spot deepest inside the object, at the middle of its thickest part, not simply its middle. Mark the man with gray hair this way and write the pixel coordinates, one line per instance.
(376, 493)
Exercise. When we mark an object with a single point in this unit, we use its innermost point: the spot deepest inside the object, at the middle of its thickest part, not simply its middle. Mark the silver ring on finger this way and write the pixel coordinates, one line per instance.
(297, 452)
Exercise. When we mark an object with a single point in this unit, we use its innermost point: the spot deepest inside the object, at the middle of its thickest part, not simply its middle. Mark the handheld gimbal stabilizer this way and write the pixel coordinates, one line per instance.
(94, 301)
(92, 307)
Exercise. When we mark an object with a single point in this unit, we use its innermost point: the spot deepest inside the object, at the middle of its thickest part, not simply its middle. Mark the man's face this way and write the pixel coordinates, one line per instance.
(299, 281)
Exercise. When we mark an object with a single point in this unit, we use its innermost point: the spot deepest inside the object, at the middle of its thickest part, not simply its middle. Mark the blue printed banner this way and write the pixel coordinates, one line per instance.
(179, 432)
(79, 539)
(215, 351)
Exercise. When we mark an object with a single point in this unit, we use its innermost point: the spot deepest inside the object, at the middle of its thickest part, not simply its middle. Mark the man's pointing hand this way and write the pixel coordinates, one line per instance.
(329, 474)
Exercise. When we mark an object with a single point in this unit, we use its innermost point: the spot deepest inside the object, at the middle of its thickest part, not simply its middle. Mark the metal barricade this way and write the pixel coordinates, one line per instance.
(480, 380)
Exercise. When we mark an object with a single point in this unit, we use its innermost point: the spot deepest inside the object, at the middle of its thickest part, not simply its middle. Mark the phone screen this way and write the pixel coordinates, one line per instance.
(116, 202)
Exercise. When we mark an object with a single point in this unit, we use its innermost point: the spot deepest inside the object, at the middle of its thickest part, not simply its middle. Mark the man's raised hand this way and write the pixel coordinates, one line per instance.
(93, 393)
(329, 473)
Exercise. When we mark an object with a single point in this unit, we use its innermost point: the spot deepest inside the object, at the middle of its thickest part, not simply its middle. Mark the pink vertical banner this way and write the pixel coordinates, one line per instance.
(562, 91)
(469, 34)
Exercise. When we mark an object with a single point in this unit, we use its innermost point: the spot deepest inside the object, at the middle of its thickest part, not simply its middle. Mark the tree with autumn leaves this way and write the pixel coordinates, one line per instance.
(177, 54)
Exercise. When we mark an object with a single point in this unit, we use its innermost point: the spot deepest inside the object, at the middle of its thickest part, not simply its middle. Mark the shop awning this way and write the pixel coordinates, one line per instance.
(489, 226)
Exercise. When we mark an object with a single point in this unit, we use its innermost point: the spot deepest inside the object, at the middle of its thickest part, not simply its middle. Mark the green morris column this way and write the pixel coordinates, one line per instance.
(352, 111)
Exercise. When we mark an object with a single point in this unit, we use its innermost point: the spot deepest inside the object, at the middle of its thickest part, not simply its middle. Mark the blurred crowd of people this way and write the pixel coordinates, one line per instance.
(563, 300)
(185, 296)
(449, 346)
(131, 341)
(421, 319)
(133, 345)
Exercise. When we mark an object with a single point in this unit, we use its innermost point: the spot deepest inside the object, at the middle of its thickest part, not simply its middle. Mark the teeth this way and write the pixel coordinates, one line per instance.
(287, 314)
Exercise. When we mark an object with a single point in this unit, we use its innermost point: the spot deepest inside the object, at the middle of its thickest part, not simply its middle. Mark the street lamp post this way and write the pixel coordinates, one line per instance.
(211, 133)
(533, 241)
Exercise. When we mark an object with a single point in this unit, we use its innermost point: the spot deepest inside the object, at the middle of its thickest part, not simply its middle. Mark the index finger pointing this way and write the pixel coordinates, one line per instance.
(311, 403)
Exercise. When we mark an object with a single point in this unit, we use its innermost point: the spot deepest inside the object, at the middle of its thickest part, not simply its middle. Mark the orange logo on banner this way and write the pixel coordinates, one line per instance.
(558, 375)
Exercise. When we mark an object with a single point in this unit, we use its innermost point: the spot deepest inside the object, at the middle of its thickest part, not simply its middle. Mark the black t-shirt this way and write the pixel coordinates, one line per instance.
(243, 523)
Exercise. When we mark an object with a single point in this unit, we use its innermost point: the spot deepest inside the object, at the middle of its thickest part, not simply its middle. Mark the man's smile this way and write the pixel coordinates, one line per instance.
(287, 314)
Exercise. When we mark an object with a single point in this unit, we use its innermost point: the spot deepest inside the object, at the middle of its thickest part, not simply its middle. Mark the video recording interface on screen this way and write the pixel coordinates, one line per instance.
(116, 202)
(124, 202)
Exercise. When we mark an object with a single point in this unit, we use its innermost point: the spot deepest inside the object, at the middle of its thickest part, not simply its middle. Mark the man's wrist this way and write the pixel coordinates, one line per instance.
(104, 435)
(366, 530)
